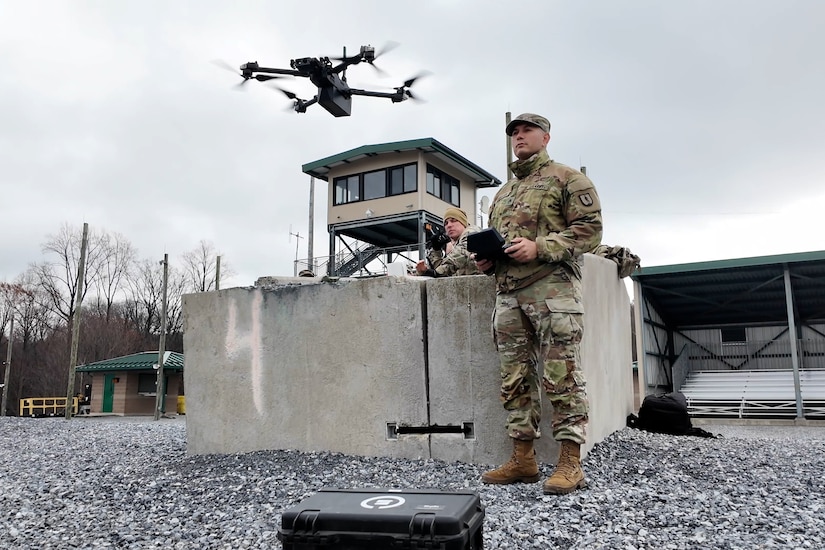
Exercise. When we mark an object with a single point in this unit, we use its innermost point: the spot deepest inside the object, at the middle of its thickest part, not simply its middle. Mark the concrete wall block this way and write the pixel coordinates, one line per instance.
(464, 371)
(606, 348)
(464, 368)
(310, 367)
(327, 365)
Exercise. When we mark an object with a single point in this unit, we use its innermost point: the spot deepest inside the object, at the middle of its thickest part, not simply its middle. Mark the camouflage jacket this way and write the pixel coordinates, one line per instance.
(458, 261)
(627, 261)
(553, 205)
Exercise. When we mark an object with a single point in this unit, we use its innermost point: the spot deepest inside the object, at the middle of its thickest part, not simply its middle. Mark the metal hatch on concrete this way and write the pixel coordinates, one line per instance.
(688, 313)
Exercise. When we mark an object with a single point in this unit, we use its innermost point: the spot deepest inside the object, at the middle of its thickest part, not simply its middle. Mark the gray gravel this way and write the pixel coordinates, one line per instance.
(128, 483)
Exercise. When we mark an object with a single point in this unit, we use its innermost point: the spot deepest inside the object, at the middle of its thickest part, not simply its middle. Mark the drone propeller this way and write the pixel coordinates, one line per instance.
(405, 89)
(246, 77)
(368, 55)
(298, 105)
(388, 47)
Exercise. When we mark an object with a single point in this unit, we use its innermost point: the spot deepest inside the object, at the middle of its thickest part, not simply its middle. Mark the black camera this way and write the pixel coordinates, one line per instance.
(437, 239)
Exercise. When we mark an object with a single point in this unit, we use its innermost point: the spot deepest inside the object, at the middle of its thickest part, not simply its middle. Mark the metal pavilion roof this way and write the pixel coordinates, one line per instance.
(146, 360)
(744, 291)
(320, 168)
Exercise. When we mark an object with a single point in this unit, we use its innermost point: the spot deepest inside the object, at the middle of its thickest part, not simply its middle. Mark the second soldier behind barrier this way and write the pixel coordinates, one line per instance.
(453, 258)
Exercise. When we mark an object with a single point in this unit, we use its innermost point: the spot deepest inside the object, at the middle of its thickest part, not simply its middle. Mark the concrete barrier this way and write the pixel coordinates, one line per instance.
(387, 366)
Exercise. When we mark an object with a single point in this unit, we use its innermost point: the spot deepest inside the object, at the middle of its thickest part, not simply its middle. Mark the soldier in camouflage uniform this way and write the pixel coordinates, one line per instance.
(550, 215)
(458, 260)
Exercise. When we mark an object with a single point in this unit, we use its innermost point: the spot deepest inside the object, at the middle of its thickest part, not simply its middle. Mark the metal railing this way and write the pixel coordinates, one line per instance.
(366, 260)
(46, 406)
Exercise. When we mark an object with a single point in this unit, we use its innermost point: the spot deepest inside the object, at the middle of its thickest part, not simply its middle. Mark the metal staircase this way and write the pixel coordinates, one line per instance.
(357, 259)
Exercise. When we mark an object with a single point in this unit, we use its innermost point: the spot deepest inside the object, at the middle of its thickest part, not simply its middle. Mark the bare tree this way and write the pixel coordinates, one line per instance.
(57, 275)
(5, 308)
(142, 307)
(116, 257)
(199, 266)
(17, 300)
(35, 321)
(176, 288)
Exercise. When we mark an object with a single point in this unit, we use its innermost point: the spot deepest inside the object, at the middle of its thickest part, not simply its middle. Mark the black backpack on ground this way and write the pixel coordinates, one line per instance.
(666, 414)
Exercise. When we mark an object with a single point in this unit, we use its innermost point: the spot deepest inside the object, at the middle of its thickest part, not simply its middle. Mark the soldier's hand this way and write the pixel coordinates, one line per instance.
(522, 250)
(485, 266)
(421, 267)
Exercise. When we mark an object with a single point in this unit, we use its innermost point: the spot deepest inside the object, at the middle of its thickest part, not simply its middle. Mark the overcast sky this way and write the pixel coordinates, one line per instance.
(701, 123)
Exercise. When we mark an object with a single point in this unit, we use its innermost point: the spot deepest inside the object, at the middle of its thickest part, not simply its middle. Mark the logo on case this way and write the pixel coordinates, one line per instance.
(382, 502)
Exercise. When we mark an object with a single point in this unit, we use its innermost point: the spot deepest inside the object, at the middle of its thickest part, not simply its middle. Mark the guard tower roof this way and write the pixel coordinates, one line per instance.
(320, 168)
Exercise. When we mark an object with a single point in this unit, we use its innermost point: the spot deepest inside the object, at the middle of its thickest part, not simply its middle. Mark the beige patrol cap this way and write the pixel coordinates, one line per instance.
(529, 118)
(457, 214)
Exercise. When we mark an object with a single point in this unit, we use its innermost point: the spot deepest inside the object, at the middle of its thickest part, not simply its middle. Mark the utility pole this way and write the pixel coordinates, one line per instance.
(13, 293)
(218, 273)
(8, 366)
(509, 147)
(311, 260)
(81, 269)
(160, 386)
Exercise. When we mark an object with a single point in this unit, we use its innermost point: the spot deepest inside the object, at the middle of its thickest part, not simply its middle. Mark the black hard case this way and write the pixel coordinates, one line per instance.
(347, 519)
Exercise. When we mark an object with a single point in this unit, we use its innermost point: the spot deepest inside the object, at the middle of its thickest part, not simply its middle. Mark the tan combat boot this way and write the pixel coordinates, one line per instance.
(568, 475)
(521, 466)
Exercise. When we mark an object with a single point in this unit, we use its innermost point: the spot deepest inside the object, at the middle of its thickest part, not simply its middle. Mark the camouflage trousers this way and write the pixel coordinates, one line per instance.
(538, 329)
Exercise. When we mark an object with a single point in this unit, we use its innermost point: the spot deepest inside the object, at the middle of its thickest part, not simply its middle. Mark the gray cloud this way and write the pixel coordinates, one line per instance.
(687, 115)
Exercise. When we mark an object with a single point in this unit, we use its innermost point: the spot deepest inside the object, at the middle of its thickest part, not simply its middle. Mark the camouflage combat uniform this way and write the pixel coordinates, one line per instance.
(458, 261)
(537, 322)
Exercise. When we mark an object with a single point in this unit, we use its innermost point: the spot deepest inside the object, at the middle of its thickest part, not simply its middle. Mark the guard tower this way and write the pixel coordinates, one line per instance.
(381, 196)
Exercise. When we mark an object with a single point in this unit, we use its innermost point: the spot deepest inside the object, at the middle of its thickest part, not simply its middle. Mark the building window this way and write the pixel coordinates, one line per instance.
(733, 335)
(443, 186)
(395, 180)
(147, 384)
(375, 185)
(410, 178)
(347, 189)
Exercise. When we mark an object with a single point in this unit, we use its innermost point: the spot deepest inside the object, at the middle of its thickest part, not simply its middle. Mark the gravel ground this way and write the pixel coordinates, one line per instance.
(128, 483)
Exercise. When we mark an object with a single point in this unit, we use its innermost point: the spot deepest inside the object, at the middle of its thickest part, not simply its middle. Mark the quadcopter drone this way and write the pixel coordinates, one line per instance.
(334, 94)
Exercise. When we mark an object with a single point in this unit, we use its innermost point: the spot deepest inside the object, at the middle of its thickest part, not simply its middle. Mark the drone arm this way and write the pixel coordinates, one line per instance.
(309, 102)
(395, 96)
(301, 105)
(276, 71)
(346, 62)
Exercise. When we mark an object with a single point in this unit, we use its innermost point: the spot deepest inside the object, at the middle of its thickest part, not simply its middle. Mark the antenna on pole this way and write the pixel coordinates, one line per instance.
(484, 208)
(298, 238)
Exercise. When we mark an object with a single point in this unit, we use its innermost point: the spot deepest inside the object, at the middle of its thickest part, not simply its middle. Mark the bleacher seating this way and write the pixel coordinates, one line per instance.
(754, 393)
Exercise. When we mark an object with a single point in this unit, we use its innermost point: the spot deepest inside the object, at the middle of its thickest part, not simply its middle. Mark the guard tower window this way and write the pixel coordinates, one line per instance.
(733, 335)
(376, 184)
(403, 179)
(347, 189)
(442, 185)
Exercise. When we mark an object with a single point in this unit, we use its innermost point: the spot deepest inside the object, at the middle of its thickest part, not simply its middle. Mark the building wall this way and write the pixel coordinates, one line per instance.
(126, 399)
(397, 204)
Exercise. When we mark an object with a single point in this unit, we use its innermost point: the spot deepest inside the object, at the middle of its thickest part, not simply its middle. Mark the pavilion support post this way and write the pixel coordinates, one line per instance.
(793, 342)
